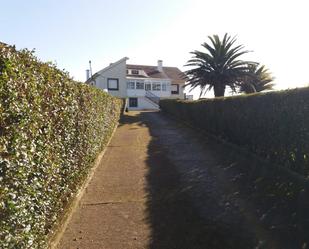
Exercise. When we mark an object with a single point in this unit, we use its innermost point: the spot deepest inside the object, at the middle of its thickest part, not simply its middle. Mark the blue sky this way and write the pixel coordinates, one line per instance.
(72, 32)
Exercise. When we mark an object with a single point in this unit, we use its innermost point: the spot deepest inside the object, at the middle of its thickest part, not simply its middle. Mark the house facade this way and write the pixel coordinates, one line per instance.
(142, 86)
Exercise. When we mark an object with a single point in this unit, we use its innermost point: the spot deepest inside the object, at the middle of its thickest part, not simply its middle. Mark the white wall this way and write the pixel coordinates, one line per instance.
(181, 92)
(117, 71)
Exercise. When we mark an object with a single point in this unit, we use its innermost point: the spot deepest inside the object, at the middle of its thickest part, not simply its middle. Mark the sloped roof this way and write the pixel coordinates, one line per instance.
(172, 73)
(105, 69)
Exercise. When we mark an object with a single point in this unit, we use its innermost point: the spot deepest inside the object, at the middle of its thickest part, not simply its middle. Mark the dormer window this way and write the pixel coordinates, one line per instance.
(134, 71)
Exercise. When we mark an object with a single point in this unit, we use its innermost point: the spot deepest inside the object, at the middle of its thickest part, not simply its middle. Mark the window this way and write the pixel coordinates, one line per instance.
(175, 89)
(134, 71)
(112, 84)
(139, 85)
(148, 86)
(132, 102)
(130, 85)
(156, 87)
(164, 87)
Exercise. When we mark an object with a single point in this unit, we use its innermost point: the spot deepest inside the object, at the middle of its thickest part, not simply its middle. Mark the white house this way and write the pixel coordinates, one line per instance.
(142, 86)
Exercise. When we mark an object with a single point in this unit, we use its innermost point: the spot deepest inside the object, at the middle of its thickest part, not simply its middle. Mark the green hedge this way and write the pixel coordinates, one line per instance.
(51, 130)
(274, 125)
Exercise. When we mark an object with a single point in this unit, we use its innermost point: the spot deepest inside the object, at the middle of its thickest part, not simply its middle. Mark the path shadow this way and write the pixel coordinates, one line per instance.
(129, 119)
(174, 214)
(174, 219)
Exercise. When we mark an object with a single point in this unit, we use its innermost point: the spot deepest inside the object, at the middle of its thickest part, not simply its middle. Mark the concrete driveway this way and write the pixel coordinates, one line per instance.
(162, 185)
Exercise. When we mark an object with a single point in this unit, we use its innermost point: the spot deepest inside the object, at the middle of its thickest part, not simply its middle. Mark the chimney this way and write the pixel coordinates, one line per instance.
(87, 74)
(160, 62)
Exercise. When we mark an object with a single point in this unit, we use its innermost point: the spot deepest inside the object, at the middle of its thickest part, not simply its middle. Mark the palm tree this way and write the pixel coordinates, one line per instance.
(218, 67)
(260, 79)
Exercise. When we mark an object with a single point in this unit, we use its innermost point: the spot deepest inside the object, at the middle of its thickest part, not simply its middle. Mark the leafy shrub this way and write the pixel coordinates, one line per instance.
(274, 125)
(51, 130)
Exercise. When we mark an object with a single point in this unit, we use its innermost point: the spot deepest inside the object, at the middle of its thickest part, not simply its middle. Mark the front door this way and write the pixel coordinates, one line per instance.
(132, 102)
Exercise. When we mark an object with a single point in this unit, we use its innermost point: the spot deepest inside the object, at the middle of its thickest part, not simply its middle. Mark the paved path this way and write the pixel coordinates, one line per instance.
(112, 212)
(158, 186)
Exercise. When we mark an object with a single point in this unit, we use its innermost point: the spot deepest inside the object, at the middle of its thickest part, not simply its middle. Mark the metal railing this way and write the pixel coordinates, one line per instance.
(152, 97)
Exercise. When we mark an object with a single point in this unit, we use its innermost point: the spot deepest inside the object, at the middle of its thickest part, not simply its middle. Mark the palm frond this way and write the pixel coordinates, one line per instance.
(218, 66)
(259, 79)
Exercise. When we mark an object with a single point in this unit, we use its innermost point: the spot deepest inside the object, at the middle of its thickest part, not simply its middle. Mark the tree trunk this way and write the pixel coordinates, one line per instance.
(219, 90)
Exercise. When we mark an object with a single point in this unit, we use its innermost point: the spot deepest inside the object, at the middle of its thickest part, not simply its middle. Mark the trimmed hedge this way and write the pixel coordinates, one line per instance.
(274, 125)
(51, 130)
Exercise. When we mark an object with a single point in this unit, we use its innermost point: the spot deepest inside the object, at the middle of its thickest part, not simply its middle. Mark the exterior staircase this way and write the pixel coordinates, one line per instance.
(153, 98)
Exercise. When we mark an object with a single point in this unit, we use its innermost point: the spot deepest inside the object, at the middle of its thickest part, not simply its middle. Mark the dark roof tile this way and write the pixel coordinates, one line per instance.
(172, 73)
